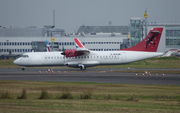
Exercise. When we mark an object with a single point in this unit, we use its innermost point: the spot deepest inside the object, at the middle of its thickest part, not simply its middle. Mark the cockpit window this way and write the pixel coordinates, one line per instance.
(24, 56)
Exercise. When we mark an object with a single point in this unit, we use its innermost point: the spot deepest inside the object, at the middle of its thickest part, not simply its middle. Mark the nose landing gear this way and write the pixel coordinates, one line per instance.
(23, 68)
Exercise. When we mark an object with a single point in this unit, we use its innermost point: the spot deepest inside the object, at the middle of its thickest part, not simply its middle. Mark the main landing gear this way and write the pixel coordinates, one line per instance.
(83, 68)
(23, 68)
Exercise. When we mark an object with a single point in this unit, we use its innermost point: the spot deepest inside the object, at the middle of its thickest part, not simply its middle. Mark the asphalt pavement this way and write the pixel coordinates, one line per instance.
(93, 75)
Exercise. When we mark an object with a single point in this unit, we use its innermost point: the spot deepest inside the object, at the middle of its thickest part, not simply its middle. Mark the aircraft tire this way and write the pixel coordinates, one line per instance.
(83, 68)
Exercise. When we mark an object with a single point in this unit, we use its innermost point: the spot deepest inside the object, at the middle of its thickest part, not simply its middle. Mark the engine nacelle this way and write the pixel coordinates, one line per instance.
(72, 53)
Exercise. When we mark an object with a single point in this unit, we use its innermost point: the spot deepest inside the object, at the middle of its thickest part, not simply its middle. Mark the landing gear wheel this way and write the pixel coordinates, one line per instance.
(83, 68)
(23, 68)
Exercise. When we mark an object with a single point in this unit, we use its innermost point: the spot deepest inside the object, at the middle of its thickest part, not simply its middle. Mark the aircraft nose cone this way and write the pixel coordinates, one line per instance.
(15, 62)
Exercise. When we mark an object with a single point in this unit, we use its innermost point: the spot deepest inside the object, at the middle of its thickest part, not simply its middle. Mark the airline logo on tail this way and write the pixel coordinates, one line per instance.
(78, 43)
(150, 43)
(152, 38)
(48, 48)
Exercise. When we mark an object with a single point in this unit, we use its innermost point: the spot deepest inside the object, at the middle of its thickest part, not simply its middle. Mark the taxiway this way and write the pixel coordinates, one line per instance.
(101, 76)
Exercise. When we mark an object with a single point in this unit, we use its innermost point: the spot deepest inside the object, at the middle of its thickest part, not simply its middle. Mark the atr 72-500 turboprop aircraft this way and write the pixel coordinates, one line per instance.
(82, 57)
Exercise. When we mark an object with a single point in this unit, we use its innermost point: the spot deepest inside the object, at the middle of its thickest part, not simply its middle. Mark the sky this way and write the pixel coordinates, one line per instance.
(71, 14)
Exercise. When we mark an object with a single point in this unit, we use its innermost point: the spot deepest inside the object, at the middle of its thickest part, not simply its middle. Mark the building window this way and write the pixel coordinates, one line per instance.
(83, 43)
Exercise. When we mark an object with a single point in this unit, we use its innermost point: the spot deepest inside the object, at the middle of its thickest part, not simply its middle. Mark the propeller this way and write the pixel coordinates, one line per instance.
(63, 53)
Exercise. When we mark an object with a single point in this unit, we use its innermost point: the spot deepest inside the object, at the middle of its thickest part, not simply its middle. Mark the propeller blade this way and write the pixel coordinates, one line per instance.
(63, 53)
(62, 47)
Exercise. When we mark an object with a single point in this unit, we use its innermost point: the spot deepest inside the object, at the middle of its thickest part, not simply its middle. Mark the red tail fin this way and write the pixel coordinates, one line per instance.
(150, 43)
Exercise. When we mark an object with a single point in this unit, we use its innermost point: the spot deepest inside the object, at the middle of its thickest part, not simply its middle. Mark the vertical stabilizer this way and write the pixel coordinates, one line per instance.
(78, 43)
(48, 48)
(150, 43)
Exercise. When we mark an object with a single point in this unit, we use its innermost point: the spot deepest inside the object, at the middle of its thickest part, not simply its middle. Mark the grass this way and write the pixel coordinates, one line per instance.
(153, 63)
(86, 95)
(44, 95)
(66, 94)
(5, 95)
(24, 95)
(104, 97)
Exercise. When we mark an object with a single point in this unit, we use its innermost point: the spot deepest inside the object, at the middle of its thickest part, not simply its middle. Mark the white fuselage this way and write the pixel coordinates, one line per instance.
(92, 59)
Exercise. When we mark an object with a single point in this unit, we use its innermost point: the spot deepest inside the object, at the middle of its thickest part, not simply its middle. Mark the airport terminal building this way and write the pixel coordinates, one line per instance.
(15, 41)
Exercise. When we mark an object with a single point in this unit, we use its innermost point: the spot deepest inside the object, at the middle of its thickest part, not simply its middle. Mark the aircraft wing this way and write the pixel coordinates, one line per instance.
(80, 48)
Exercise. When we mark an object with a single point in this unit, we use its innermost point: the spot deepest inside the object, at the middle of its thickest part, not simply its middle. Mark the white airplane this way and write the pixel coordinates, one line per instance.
(82, 57)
